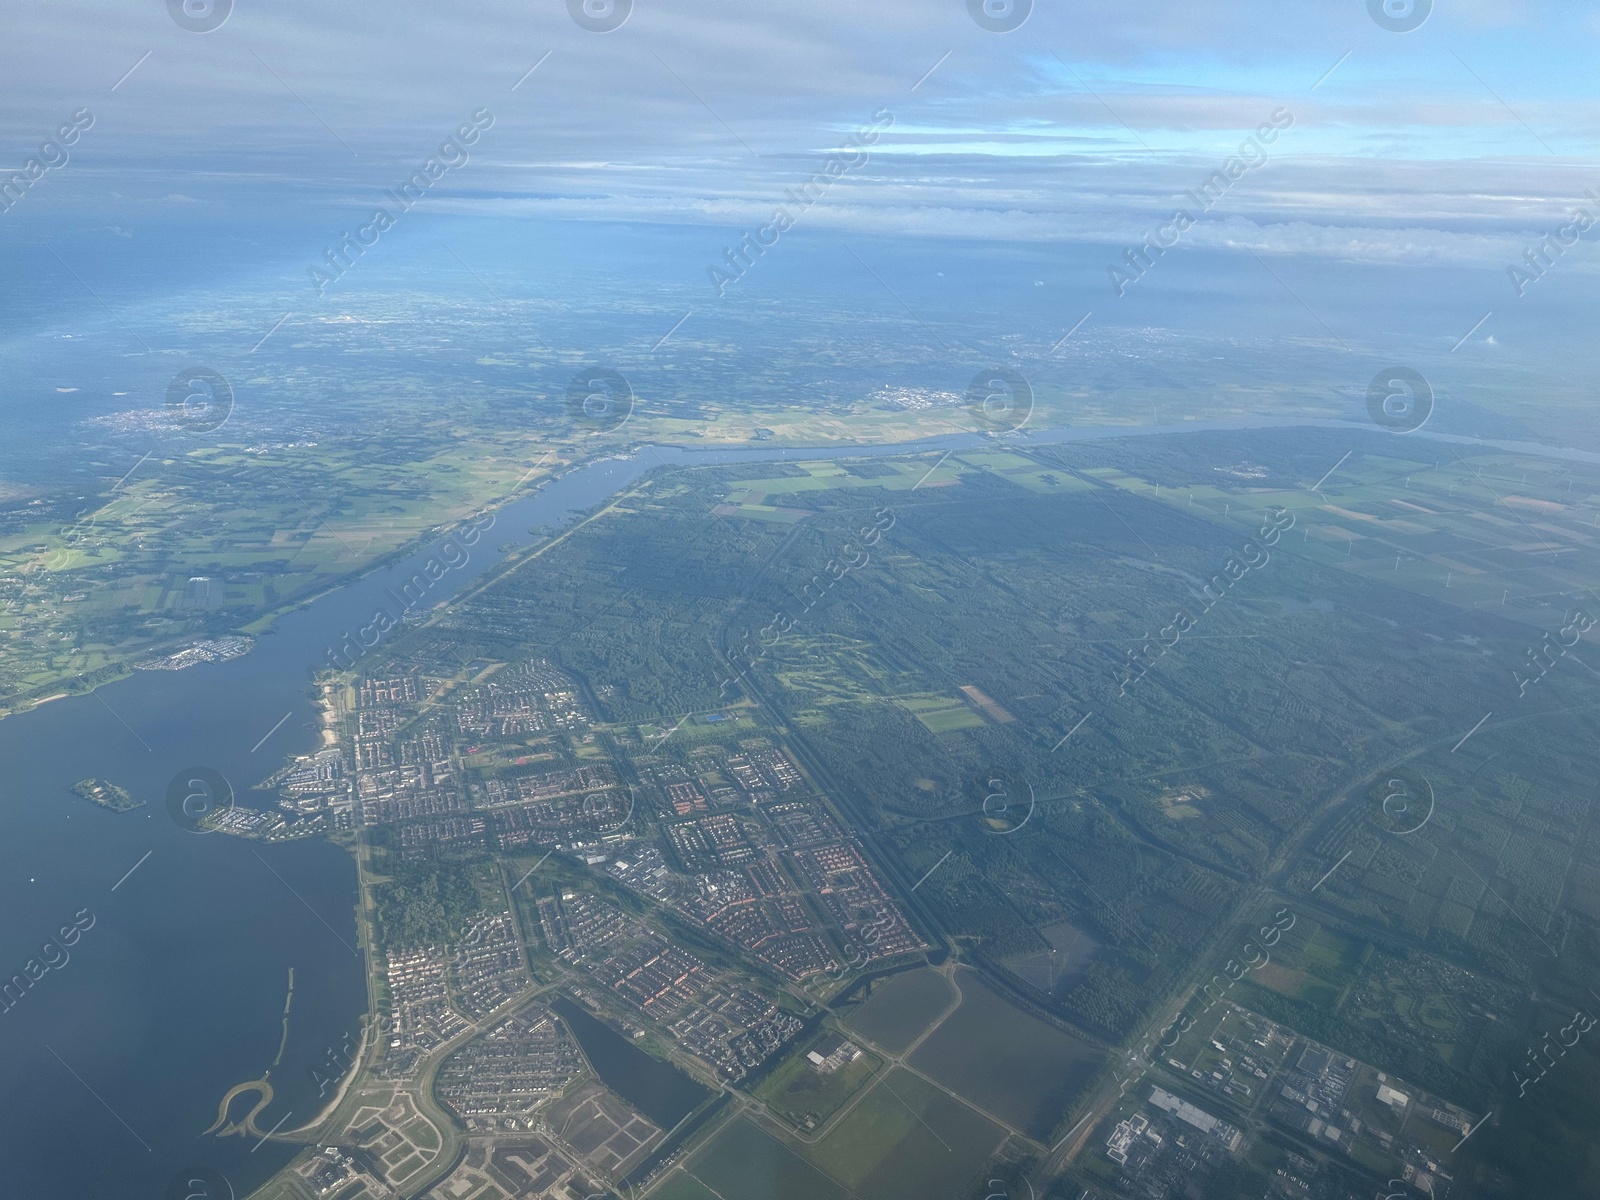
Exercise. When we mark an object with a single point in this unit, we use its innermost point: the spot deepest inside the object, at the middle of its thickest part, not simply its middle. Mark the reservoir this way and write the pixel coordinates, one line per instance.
(660, 1091)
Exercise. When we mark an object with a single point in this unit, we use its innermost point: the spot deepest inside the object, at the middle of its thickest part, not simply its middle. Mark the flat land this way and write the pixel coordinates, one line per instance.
(747, 1164)
(901, 1007)
(907, 1140)
(797, 1090)
(943, 714)
(604, 1130)
(682, 1186)
(1056, 968)
(1007, 1062)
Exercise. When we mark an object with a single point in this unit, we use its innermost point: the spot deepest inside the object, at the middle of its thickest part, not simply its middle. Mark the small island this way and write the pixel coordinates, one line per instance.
(106, 795)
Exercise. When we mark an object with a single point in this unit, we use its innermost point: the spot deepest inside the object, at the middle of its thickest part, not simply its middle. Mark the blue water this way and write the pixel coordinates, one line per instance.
(660, 1091)
(112, 1064)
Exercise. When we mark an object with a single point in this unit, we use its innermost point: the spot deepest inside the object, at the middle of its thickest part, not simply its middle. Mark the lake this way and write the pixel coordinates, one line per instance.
(657, 1089)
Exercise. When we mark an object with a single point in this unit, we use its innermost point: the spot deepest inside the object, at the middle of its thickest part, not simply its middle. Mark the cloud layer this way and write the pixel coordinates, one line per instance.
(1453, 142)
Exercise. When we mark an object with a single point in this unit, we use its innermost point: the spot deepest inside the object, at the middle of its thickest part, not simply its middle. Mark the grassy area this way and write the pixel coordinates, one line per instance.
(746, 1163)
(1022, 471)
(800, 1093)
(682, 1186)
(908, 1139)
(901, 1007)
(1005, 1061)
(1483, 530)
(941, 714)
(1312, 962)
(267, 529)
(904, 475)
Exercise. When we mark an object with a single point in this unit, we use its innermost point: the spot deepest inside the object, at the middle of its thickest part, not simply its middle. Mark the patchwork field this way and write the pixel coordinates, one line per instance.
(942, 714)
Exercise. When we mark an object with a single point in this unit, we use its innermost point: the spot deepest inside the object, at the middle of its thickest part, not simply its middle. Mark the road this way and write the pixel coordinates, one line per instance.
(1138, 1055)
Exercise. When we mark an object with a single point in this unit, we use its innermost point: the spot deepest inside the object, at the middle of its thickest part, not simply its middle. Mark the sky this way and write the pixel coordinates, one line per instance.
(1416, 152)
(1447, 142)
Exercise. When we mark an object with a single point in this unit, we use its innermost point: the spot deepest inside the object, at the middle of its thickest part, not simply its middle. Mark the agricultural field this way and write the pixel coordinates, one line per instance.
(806, 1097)
(745, 1162)
(908, 1139)
(680, 1185)
(943, 714)
(213, 535)
(1060, 965)
(900, 1008)
(1490, 855)
(1005, 1061)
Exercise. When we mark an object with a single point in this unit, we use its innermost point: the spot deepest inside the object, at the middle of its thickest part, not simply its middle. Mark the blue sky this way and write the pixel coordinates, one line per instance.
(1083, 122)
(1451, 146)
(220, 165)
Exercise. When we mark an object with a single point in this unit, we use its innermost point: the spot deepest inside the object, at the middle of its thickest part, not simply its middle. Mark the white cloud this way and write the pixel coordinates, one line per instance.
(1085, 124)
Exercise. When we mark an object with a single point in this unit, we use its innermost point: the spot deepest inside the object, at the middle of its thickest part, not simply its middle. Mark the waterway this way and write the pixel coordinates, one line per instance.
(113, 1061)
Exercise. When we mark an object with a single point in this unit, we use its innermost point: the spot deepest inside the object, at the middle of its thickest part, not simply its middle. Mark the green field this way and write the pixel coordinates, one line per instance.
(1022, 471)
(906, 1140)
(801, 1094)
(1312, 962)
(1007, 1062)
(744, 1163)
(681, 1186)
(901, 1007)
(901, 475)
(1331, 956)
(941, 714)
